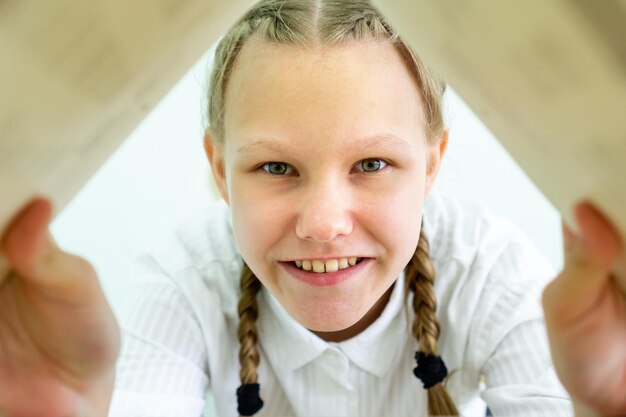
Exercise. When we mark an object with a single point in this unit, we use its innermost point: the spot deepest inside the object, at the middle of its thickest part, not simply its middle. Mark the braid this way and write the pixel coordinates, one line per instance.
(420, 279)
(246, 330)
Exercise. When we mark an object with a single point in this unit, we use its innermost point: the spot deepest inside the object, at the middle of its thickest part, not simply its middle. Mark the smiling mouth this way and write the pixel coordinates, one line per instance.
(327, 265)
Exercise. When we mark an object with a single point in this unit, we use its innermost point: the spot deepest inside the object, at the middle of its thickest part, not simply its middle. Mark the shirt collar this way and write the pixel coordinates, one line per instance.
(286, 342)
(289, 344)
(376, 348)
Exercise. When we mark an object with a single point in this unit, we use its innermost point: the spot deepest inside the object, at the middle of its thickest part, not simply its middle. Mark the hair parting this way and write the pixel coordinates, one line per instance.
(313, 23)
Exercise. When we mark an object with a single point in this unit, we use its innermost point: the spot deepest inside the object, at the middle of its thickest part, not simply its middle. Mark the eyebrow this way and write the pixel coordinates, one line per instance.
(379, 140)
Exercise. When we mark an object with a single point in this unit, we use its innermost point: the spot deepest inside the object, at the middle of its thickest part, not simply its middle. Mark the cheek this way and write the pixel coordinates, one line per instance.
(394, 215)
(259, 220)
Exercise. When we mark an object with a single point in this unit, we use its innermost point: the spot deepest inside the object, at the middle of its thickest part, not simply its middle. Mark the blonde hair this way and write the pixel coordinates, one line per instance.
(331, 22)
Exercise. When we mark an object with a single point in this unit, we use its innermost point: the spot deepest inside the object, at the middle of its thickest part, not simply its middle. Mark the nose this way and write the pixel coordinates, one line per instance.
(325, 213)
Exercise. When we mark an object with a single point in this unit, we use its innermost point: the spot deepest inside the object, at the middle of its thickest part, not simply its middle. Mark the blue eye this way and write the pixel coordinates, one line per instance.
(277, 168)
(371, 165)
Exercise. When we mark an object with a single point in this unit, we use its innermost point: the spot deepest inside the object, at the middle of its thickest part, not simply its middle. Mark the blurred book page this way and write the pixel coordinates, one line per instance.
(548, 78)
(76, 78)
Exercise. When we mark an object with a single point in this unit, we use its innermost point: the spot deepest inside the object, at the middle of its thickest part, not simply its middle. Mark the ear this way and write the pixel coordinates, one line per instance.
(215, 154)
(436, 152)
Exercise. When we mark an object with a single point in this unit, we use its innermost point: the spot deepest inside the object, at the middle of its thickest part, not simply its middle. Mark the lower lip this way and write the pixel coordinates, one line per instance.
(326, 279)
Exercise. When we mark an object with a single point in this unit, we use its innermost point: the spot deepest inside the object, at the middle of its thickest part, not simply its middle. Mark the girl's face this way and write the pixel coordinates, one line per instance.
(325, 159)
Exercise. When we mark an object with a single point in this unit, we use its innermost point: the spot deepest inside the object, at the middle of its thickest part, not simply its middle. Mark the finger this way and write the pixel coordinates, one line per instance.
(32, 253)
(5, 265)
(588, 260)
(27, 242)
(600, 238)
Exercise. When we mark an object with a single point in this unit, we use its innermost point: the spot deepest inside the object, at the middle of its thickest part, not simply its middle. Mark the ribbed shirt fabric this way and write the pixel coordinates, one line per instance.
(179, 324)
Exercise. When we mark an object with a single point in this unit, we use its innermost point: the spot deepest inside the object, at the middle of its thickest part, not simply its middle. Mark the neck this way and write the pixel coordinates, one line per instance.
(369, 318)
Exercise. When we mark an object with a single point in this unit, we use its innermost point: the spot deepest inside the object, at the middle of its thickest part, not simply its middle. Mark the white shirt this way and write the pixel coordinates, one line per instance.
(179, 330)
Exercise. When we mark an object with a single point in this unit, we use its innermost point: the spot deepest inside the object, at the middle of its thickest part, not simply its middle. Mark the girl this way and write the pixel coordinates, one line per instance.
(360, 291)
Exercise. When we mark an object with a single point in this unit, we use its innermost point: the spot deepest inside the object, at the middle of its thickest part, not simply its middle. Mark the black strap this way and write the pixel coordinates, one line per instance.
(248, 400)
(430, 369)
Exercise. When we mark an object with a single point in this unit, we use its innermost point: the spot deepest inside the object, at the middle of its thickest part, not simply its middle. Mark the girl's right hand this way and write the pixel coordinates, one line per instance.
(59, 339)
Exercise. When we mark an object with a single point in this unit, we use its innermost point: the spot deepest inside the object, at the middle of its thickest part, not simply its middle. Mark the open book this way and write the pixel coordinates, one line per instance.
(548, 78)
(77, 77)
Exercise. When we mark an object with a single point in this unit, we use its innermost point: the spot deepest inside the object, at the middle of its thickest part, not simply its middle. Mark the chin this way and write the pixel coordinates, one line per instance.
(330, 318)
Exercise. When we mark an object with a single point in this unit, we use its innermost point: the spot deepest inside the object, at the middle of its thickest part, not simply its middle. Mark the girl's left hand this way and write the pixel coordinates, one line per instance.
(585, 312)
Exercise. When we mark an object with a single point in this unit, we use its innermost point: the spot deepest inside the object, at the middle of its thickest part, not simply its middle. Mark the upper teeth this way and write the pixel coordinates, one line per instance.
(329, 265)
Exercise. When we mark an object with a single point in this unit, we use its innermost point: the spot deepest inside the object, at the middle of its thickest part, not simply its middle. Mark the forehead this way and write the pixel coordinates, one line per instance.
(351, 89)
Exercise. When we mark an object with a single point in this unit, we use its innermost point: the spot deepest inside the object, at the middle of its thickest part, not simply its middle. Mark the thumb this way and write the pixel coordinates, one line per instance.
(589, 258)
(600, 240)
(27, 243)
(32, 253)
